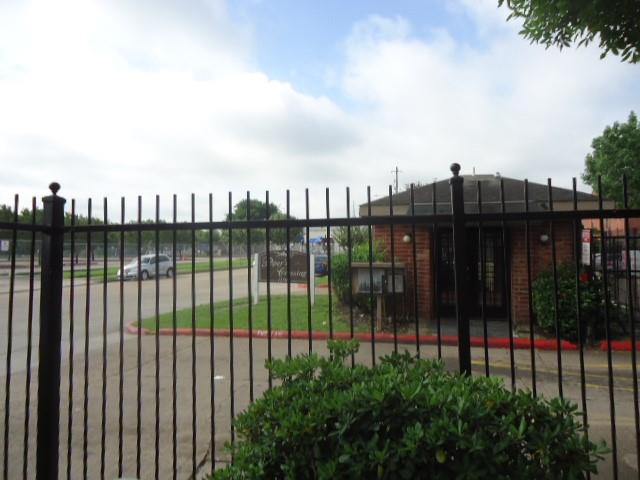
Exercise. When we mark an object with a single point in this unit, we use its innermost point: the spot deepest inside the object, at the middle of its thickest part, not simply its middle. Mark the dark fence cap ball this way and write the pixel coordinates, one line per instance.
(54, 187)
(455, 169)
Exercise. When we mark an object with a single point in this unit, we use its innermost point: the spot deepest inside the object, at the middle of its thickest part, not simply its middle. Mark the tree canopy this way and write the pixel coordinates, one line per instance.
(359, 235)
(147, 237)
(257, 210)
(562, 23)
(616, 152)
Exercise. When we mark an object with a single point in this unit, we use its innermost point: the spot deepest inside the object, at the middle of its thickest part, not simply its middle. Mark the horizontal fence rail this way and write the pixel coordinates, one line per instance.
(153, 335)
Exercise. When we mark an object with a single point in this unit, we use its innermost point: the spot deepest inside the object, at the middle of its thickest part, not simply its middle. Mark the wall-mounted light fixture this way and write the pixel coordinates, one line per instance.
(544, 239)
(407, 238)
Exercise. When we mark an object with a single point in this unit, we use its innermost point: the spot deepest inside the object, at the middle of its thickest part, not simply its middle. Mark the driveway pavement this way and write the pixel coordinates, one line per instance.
(72, 400)
(597, 402)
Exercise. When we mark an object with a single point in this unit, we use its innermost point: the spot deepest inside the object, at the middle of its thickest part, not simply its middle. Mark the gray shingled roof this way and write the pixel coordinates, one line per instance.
(490, 187)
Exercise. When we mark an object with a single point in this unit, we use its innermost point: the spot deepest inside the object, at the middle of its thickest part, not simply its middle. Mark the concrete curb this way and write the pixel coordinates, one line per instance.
(449, 340)
(619, 345)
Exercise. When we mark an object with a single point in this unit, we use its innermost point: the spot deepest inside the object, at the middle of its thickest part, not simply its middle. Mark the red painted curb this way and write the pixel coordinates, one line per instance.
(450, 340)
(619, 345)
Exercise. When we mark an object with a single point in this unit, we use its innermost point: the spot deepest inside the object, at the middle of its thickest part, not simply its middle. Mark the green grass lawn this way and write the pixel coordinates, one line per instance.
(319, 315)
(218, 264)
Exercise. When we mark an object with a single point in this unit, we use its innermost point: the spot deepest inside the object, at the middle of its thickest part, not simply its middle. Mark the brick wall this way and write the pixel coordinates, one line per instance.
(540, 260)
(403, 252)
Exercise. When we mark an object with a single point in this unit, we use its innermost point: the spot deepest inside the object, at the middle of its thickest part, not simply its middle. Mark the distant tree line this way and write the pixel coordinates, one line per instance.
(257, 210)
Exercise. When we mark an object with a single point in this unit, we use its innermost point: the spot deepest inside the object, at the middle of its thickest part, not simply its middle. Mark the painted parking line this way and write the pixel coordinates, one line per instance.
(565, 373)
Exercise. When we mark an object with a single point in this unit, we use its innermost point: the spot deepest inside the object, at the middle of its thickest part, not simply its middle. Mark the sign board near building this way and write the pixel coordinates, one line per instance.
(277, 271)
(382, 273)
(4, 245)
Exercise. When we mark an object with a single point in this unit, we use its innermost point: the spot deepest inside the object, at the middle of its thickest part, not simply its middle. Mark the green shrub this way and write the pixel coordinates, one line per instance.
(341, 271)
(591, 300)
(403, 418)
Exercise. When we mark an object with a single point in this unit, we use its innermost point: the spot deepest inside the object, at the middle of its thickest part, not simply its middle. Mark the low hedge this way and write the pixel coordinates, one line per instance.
(591, 304)
(403, 418)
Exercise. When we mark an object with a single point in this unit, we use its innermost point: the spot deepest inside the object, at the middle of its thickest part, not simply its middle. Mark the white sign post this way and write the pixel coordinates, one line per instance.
(255, 292)
(586, 247)
(312, 278)
(4, 245)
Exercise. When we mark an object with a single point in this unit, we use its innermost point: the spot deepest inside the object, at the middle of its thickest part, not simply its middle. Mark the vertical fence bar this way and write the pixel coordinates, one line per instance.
(103, 420)
(139, 339)
(414, 259)
(50, 336)
(71, 336)
(268, 248)
(232, 405)
(174, 328)
(460, 268)
(632, 326)
(27, 402)
(121, 341)
(435, 261)
(556, 300)
(527, 242)
(250, 296)
(603, 263)
(394, 319)
(156, 257)
(194, 387)
(211, 339)
(371, 301)
(329, 242)
(288, 239)
(310, 269)
(581, 340)
(483, 281)
(349, 260)
(87, 312)
(7, 396)
(505, 263)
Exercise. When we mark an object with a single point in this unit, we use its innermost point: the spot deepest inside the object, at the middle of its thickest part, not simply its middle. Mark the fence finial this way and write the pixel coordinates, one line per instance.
(455, 169)
(54, 187)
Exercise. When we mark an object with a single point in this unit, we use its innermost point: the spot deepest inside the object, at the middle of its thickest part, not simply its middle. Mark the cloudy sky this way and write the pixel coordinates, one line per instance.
(119, 98)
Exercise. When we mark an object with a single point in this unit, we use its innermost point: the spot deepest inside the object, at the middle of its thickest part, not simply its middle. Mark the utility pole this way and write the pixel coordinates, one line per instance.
(396, 171)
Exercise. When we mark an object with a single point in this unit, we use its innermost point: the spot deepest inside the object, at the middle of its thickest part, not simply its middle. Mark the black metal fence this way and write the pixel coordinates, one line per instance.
(142, 378)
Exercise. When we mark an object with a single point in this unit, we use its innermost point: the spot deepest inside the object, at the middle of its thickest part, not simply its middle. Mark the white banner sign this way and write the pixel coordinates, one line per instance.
(586, 247)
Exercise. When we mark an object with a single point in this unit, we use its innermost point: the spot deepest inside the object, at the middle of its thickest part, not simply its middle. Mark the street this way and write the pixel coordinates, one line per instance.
(96, 307)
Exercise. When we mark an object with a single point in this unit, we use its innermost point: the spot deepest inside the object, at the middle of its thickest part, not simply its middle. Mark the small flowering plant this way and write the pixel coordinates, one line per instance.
(403, 418)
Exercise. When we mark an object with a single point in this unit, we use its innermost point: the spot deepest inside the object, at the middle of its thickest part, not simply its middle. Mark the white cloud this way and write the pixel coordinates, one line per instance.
(501, 106)
(110, 99)
(122, 98)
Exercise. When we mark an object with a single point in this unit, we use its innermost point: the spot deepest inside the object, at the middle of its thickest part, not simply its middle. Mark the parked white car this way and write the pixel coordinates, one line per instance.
(148, 267)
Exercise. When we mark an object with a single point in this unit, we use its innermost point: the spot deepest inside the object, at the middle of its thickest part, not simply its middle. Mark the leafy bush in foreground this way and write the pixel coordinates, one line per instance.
(403, 418)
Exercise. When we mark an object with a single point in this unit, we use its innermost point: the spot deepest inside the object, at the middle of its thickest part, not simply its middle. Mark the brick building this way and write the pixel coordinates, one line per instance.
(505, 258)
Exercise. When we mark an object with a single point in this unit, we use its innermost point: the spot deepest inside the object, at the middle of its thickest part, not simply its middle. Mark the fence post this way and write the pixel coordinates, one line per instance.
(50, 331)
(460, 268)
